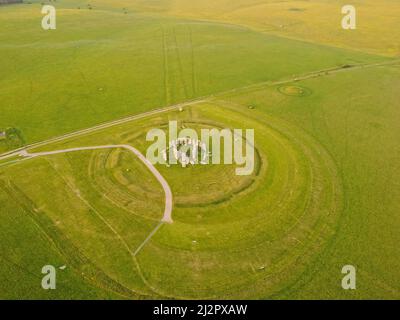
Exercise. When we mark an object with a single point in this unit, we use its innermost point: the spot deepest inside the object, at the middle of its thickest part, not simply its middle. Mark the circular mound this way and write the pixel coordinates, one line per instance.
(258, 241)
(233, 237)
(194, 185)
(202, 186)
(206, 185)
(294, 91)
(125, 183)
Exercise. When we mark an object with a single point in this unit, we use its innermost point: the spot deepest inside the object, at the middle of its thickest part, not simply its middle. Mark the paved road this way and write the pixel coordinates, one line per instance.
(13, 153)
(309, 75)
(167, 217)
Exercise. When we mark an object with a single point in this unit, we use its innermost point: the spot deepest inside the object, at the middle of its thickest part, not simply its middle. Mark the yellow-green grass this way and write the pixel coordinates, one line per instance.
(85, 221)
(250, 243)
(103, 64)
(355, 116)
(324, 194)
(240, 250)
(316, 21)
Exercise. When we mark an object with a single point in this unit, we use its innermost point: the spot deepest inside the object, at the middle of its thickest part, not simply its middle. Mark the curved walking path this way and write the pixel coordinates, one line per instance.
(167, 217)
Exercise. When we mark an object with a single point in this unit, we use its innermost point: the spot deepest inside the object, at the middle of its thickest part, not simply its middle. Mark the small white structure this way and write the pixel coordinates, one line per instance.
(2, 135)
(186, 151)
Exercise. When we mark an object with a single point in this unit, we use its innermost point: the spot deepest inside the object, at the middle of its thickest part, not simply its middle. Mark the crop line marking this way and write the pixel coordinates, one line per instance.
(166, 66)
(180, 66)
(192, 61)
(9, 163)
(148, 238)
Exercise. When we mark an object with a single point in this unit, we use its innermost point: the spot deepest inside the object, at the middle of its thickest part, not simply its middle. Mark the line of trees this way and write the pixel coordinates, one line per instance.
(10, 1)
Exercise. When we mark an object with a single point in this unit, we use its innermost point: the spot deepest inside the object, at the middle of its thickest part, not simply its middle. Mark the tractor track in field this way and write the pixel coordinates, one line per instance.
(309, 75)
(24, 154)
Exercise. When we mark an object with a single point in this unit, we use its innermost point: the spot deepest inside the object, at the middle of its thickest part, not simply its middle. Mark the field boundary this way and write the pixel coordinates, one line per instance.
(306, 76)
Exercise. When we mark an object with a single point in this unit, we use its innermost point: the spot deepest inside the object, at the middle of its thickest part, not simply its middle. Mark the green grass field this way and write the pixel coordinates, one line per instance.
(325, 109)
